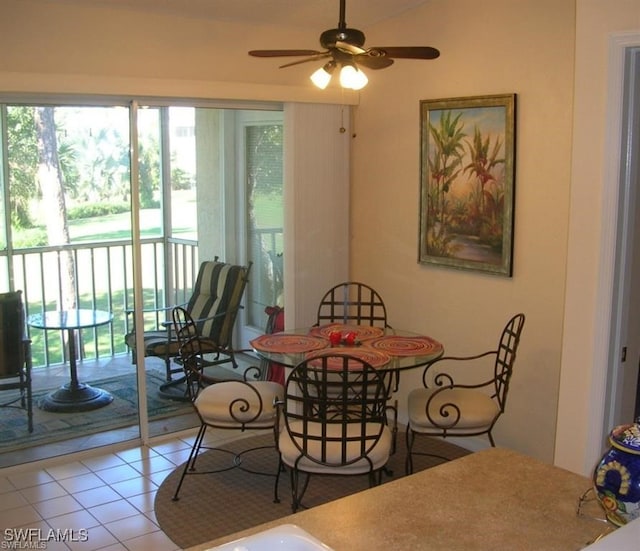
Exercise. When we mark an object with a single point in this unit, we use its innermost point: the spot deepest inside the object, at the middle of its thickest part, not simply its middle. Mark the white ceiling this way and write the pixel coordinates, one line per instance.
(312, 14)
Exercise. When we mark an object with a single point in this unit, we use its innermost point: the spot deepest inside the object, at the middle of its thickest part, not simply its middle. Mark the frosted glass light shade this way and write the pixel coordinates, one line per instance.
(353, 78)
(321, 78)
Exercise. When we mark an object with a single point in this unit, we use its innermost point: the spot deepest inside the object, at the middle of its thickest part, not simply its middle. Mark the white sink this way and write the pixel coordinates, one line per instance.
(625, 538)
(287, 537)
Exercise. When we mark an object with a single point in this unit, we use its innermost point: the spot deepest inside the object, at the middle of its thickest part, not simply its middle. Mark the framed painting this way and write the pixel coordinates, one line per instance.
(467, 183)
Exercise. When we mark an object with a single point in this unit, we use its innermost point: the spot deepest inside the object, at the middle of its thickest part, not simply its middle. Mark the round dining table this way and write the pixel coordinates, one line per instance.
(385, 348)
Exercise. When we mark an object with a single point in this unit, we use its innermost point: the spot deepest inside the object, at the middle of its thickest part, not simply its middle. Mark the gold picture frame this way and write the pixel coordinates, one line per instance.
(467, 187)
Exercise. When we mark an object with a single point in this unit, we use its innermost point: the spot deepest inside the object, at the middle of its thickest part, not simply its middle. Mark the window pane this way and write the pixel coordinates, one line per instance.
(183, 172)
(150, 172)
(264, 176)
(70, 215)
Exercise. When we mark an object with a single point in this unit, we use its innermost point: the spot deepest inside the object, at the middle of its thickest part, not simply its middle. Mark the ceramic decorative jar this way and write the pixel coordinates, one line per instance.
(616, 477)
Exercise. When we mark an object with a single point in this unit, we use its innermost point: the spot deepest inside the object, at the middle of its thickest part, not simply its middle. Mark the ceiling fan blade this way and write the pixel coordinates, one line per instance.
(282, 53)
(373, 62)
(404, 52)
(321, 55)
(349, 48)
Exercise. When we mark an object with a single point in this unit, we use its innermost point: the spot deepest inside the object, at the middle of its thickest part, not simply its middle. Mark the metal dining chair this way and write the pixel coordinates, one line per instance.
(228, 404)
(468, 404)
(352, 302)
(333, 422)
(356, 303)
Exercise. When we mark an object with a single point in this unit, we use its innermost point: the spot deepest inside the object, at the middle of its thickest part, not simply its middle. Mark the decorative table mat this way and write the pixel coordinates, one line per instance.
(395, 345)
(288, 344)
(373, 357)
(362, 332)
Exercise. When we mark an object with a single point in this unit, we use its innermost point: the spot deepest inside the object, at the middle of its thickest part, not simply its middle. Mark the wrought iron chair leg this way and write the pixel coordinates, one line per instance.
(184, 473)
(276, 497)
(190, 464)
(394, 428)
(410, 437)
(195, 450)
(293, 475)
(296, 492)
(28, 366)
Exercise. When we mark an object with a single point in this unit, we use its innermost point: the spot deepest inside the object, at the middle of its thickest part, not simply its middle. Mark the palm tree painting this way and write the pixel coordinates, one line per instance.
(467, 187)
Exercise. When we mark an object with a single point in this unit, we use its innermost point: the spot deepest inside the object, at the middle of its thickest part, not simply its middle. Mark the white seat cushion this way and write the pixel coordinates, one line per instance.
(477, 410)
(379, 454)
(216, 402)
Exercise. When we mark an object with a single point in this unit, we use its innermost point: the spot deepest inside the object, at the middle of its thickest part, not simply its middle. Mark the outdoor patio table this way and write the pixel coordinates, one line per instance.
(73, 396)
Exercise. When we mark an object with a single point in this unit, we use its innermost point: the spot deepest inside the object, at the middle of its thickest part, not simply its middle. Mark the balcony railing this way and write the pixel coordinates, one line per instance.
(103, 274)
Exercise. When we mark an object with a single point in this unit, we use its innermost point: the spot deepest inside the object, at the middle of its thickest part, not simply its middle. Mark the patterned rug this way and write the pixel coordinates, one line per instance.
(215, 505)
(122, 412)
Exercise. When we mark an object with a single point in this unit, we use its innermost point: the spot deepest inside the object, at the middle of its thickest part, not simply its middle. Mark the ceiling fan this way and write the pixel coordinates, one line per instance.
(344, 48)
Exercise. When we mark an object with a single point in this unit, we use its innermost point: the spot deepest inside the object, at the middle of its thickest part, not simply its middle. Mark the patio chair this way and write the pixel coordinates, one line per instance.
(15, 355)
(333, 422)
(445, 406)
(230, 404)
(214, 305)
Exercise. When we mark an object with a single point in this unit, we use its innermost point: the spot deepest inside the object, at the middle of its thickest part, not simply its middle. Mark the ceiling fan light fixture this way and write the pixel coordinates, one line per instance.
(322, 76)
(352, 77)
(344, 46)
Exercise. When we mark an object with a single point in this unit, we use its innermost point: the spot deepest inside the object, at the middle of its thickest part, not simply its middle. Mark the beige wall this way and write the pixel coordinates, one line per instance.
(490, 47)
(61, 47)
(487, 48)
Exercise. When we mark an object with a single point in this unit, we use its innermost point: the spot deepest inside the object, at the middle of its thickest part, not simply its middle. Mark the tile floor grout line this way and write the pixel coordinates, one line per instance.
(109, 531)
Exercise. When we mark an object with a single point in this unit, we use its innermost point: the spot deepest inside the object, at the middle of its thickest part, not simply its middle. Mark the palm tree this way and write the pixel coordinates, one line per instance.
(445, 159)
(482, 163)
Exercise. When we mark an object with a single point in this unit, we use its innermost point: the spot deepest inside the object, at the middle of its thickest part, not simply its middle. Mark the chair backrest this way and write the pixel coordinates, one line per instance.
(506, 357)
(352, 302)
(334, 402)
(190, 351)
(11, 334)
(273, 371)
(216, 299)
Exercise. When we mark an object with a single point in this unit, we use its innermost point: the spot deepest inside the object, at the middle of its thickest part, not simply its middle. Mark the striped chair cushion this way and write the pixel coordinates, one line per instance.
(218, 289)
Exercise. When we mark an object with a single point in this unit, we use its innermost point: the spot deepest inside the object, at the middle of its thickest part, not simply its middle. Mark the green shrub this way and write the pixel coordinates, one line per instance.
(93, 210)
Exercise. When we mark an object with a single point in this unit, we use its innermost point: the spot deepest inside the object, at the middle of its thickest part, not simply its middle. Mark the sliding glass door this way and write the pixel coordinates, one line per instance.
(209, 184)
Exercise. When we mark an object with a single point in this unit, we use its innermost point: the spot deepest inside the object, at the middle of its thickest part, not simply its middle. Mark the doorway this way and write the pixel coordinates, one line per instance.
(623, 385)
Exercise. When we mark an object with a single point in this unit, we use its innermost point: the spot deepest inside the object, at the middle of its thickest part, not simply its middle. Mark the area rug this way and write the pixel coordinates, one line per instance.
(215, 505)
(122, 412)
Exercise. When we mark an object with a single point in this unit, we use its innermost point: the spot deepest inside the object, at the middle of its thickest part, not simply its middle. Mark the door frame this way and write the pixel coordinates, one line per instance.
(616, 246)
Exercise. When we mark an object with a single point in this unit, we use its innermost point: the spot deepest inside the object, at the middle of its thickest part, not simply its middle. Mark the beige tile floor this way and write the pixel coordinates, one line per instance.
(99, 500)
(102, 496)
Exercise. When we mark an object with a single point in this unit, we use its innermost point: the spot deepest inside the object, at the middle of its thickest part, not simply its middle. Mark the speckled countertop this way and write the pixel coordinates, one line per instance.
(495, 499)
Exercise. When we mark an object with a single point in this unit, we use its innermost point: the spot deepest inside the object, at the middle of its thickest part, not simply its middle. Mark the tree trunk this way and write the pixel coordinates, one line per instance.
(50, 182)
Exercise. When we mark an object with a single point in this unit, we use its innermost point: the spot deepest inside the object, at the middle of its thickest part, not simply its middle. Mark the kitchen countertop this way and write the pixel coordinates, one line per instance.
(492, 499)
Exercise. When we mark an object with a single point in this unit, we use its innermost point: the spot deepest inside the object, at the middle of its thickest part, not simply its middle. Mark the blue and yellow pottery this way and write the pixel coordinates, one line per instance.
(616, 478)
